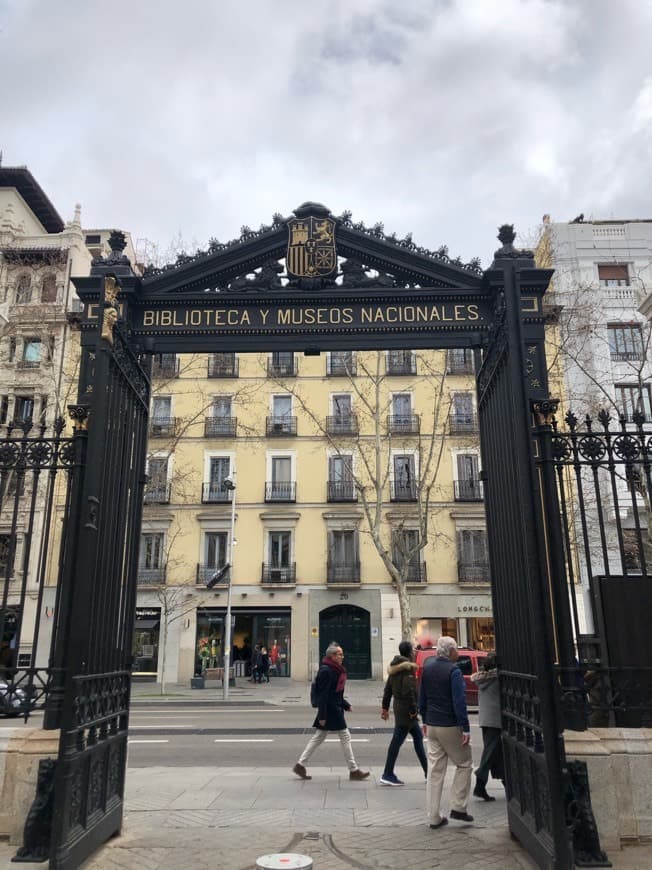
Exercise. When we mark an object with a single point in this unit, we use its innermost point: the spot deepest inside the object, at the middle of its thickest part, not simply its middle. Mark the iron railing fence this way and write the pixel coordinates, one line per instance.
(280, 490)
(36, 469)
(403, 424)
(341, 490)
(341, 367)
(220, 427)
(271, 574)
(157, 493)
(469, 489)
(342, 424)
(596, 475)
(278, 427)
(223, 368)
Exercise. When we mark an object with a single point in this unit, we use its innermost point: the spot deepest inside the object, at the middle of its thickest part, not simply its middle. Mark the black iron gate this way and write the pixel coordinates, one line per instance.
(95, 616)
(214, 301)
(512, 375)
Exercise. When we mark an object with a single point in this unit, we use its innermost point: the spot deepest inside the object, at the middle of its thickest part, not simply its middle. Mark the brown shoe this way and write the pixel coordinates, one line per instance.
(300, 770)
(358, 774)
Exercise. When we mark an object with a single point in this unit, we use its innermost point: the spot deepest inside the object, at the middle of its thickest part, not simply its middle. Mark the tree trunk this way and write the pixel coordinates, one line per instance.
(163, 656)
(406, 614)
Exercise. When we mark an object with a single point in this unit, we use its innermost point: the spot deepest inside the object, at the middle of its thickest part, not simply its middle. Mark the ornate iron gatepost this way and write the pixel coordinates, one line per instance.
(514, 373)
(98, 574)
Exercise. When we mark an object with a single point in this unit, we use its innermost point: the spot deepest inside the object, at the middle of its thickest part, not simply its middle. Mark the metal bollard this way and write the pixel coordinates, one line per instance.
(284, 861)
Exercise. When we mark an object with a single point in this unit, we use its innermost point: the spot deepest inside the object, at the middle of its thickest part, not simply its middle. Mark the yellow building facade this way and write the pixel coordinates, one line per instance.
(337, 459)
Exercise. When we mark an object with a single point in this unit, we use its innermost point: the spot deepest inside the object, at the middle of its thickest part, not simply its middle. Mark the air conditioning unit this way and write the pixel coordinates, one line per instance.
(279, 427)
(276, 575)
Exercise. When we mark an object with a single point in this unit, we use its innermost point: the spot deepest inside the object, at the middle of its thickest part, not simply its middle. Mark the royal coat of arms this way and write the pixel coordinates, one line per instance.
(311, 247)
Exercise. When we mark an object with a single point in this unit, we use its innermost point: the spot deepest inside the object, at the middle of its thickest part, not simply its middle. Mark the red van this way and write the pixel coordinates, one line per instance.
(468, 663)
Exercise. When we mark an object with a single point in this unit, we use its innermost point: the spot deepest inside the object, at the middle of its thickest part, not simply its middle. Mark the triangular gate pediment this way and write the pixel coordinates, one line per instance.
(363, 258)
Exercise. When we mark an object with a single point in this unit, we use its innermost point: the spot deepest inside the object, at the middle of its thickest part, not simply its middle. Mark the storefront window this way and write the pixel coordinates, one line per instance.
(146, 641)
(269, 628)
(427, 631)
(481, 634)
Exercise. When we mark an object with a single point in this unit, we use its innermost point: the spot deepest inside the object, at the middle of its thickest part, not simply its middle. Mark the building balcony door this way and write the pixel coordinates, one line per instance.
(350, 627)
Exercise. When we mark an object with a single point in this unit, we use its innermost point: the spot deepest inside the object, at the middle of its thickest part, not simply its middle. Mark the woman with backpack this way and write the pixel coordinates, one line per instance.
(401, 685)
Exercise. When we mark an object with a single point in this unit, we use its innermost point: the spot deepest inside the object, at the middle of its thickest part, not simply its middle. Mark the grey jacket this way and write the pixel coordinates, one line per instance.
(488, 698)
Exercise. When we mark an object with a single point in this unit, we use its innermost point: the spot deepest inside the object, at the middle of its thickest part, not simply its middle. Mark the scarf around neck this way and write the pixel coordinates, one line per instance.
(340, 670)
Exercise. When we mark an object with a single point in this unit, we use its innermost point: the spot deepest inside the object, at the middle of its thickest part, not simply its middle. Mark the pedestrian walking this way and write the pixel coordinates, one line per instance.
(256, 664)
(486, 679)
(442, 704)
(331, 706)
(264, 665)
(401, 687)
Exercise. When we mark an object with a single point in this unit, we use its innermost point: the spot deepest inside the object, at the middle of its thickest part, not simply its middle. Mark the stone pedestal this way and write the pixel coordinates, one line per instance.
(619, 762)
(21, 749)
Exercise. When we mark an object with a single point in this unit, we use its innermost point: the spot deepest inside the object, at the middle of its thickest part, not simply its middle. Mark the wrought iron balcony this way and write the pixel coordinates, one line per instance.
(278, 427)
(157, 493)
(469, 489)
(206, 572)
(215, 492)
(273, 574)
(168, 368)
(404, 424)
(341, 490)
(626, 355)
(402, 490)
(416, 573)
(402, 365)
(457, 364)
(162, 427)
(151, 576)
(220, 427)
(342, 424)
(280, 491)
(462, 424)
(336, 368)
(28, 364)
(343, 573)
(473, 572)
(221, 368)
(288, 369)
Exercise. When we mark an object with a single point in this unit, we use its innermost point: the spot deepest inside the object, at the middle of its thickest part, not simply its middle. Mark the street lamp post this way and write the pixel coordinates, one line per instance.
(229, 484)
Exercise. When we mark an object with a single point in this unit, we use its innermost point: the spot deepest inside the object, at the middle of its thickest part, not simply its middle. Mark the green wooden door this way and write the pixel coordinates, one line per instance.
(349, 626)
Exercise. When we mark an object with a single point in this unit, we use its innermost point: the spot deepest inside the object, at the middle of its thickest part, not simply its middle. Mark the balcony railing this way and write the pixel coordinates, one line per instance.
(206, 572)
(343, 573)
(342, 424)
(280, 491)
(460, 365)
(403, 366)
(28, 364)
(341, 490)
(626, 355)
(151, 576)
(402, 491)
(215, 492)
(473, 572)
(282, 369)
(219, 368)
(157, 493)
(162, 427)
(274, 574)
(471, 489)
(336, 368)
(416, 573)
(462, 424)
(404, 424)
(165, 369)
(220, 427)
(278, 427)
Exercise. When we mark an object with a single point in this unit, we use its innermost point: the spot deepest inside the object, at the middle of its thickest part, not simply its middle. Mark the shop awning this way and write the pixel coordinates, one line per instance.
(147, 624)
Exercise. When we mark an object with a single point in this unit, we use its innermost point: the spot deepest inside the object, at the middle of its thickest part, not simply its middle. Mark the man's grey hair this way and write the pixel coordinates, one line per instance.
(445, 645)
(332, 648)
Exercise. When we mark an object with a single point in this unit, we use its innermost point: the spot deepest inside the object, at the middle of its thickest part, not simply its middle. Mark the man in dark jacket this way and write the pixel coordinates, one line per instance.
(401, 685)
(442, 704)
(331, 706)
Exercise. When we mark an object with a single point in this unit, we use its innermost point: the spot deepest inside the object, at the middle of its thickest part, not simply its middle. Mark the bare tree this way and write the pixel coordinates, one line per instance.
(379, 437)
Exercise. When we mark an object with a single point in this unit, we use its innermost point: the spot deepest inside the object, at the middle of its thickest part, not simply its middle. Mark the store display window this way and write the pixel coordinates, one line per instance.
(481, 634)
(268, 628)
(146, 642)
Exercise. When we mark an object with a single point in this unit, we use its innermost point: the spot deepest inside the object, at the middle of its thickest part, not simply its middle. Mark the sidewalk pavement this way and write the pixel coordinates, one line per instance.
(224, 818)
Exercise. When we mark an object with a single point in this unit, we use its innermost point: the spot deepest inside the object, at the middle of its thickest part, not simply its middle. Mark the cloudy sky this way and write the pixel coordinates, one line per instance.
(440, 117)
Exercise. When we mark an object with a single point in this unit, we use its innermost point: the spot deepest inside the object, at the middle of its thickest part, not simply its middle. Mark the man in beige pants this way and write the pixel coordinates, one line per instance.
(442, 705)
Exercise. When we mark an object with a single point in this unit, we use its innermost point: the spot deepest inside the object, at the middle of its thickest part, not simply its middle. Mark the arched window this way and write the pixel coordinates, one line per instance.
(24, 289)
(49, 289)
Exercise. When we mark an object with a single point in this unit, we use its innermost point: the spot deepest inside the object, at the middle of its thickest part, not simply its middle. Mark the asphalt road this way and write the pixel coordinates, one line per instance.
(266, 749)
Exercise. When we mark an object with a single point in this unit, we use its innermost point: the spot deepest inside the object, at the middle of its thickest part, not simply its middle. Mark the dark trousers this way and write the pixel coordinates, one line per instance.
(492, 756)
(398, 738)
